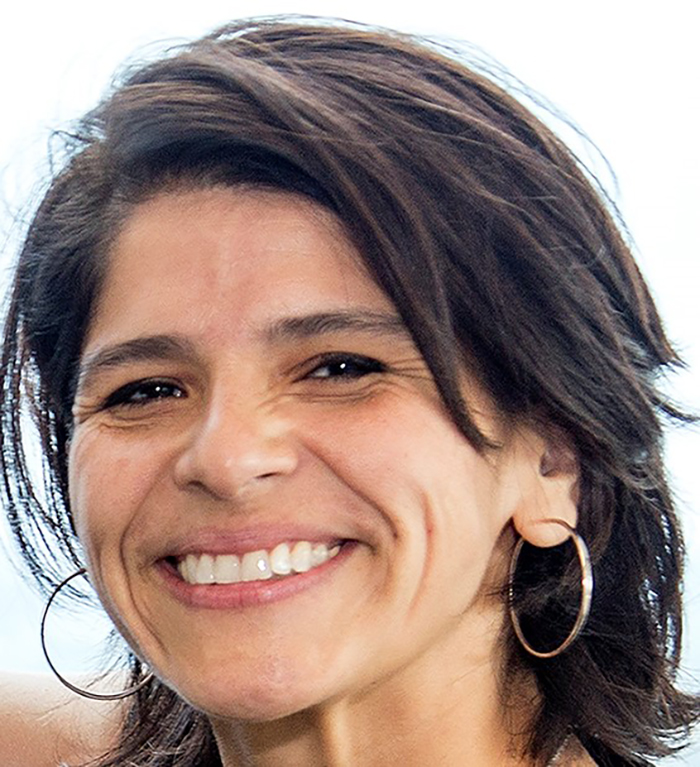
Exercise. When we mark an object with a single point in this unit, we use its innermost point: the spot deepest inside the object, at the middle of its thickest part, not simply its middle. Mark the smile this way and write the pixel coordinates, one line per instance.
(284, 560)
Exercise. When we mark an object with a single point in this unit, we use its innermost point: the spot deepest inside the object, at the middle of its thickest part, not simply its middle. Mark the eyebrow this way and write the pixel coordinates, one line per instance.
(325, 323)
(284, 330)
(144, 349)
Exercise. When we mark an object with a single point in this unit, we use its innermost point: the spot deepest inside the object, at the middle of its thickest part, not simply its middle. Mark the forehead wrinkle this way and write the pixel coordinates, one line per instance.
(142, 349)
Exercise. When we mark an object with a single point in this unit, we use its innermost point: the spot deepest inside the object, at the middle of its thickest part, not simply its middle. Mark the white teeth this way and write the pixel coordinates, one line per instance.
(280, 560)
(205, 569)
(301, 557)
(191, 565)
(227, 569)
(319, 554)
(254, 565)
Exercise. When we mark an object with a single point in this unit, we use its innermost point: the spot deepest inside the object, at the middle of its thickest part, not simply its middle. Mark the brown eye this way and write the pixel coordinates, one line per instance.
(139, 393)
(339, 366)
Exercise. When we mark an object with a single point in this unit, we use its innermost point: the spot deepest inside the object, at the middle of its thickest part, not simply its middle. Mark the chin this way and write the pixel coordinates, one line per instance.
(266, 695)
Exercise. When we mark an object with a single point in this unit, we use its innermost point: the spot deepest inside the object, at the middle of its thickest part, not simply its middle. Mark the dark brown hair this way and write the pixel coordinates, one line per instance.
(499, 253)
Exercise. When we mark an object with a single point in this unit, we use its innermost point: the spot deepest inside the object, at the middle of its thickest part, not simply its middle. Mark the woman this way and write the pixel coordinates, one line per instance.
(345, 381)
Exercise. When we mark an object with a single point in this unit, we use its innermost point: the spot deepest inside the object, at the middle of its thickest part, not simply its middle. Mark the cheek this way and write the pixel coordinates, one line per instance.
(438, 494)
(107, 484)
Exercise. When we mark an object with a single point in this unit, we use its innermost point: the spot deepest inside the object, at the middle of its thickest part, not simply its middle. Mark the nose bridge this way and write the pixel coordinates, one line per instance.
(239, 443)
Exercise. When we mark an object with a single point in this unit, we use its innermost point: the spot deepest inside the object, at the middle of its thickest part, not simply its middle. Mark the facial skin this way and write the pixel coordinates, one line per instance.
(247, 424)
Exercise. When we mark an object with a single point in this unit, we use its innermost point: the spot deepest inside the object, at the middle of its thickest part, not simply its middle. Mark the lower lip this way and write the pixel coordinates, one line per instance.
(236, 596)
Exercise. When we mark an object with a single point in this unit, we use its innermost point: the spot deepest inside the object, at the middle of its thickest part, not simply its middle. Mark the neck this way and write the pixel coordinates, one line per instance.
(445, 708)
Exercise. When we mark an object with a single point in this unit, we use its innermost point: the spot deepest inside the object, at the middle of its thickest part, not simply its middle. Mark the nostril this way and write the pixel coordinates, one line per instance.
(228, 456)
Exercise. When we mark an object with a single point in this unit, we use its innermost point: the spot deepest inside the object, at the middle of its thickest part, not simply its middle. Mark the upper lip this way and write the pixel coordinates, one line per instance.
(215, 540)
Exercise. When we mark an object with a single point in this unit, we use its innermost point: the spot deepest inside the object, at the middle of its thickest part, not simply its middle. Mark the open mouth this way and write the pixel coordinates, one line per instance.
(284, 560)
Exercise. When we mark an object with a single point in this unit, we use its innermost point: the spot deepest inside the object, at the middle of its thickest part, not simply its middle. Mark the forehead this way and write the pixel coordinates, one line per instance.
(204, 258)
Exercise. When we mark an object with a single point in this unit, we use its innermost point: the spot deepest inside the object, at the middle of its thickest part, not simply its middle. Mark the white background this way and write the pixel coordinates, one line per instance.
(625, 72)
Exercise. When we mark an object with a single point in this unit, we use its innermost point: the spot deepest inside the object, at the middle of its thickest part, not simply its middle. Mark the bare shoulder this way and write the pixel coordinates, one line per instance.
(42, 724)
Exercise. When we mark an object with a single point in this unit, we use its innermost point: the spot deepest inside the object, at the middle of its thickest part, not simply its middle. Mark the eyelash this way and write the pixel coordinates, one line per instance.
(348, 366)
(336, 366)
(139, 393)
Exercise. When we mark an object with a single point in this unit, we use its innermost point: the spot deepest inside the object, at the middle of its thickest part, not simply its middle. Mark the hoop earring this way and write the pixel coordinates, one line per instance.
(584, 609)
(85, 693)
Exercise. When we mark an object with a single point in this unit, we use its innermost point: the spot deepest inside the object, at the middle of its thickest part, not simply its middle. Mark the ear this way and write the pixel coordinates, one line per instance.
(547, 471)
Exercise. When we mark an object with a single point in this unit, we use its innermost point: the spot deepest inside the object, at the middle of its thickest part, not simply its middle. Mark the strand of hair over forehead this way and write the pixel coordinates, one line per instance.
(236, 31)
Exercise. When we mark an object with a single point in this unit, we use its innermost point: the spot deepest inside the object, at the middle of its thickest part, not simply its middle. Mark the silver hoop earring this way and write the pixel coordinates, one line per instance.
(85, 693)
(586, 593)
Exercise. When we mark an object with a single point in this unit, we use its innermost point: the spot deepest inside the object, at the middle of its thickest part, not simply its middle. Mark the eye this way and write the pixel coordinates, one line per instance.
(139, 393)
(342, 365)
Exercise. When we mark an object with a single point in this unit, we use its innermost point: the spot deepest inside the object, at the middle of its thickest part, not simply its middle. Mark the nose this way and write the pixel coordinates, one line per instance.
(235, 449)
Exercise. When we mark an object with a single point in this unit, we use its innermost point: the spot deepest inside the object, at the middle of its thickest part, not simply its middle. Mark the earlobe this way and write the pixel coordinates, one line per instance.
(549, 473)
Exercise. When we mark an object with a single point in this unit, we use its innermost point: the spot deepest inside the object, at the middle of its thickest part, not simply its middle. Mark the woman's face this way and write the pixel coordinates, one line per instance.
(276, 508)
